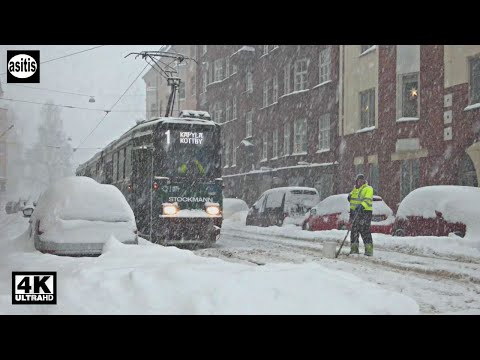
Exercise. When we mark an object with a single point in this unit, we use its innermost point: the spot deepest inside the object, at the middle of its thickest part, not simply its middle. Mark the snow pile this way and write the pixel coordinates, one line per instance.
(81, 209)
(167, 280)
(456, 203)
(233, 206)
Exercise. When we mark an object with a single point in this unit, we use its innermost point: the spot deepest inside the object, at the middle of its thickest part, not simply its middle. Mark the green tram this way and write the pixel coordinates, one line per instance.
(169, 170)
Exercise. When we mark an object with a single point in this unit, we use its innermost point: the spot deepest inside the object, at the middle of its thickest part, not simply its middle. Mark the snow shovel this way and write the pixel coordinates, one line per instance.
(348, 232)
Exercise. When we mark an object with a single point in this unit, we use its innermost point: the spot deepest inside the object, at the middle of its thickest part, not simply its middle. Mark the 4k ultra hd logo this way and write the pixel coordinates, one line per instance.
(23, 66)
(34, 287)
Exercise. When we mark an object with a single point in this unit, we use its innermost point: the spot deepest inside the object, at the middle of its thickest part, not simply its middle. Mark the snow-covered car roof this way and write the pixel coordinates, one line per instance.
(456, 203)
(82, 198)
(339, 204)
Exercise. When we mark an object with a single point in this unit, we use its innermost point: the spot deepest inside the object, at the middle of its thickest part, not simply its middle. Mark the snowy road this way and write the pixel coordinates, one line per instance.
(438, 285)
(442, 278)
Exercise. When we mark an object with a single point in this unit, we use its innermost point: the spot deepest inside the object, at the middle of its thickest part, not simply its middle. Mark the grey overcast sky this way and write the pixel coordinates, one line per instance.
(104, 73)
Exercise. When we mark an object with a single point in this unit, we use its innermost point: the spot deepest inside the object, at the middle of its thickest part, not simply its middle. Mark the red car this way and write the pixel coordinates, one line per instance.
(438, 211)
(334, 213)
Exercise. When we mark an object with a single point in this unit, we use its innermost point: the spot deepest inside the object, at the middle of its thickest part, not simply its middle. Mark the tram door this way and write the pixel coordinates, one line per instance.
(142, 188)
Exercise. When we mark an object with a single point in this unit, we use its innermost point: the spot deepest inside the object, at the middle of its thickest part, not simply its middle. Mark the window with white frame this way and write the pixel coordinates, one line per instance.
(265, 147)
(408, 101)
(324, 64)
(286, 139)
(286, 79)
(249, 125)
(265, 49)
(474, 63)
(205, 80)
(367, 108)
(324, 132)
(218, 112)
(234, 108)
(275, 89)
(265, 93)
(410, 179)
(204, 50)
(249, 81)
(228, 110)
(275, 144)
(219, 70)
(227, 67)
(364, 48)
(181, 91)
(226, 158)
(300, 79)
(234, 153)
(300, 136)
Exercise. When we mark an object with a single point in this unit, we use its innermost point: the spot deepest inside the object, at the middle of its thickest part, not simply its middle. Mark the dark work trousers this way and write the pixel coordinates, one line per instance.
(361, 227)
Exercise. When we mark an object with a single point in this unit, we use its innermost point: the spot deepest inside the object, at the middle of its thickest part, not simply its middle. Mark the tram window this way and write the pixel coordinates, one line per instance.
(121, 164)
(128, 161)
(115, 166)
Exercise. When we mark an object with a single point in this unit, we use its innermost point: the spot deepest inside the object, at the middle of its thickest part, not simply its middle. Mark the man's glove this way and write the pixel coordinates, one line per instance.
(359, 208)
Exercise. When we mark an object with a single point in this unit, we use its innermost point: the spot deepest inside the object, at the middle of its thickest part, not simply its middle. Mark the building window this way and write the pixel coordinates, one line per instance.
(234, 153)
(218, 112)
(410, 176)
(275, 144)
(367, 108)
(265, 49)
(227, 154)
(364, 48)
(228, 111)
(374, 177)
(204, 49)
(300, 136)
(205, 81)
(234, 69)
(211, 72)
(249, 81)
(265, 147)
(359, 169)
(265, 93)
(324, 132)
(275, 89)
(408, 101)
(300, 79)
(248, 121)
(234, 108)
(286, 139)
(286, 79)
(467, 176)
(324, 65)
(475, 80)
(227, 67)
(219, 70)
(181, 91)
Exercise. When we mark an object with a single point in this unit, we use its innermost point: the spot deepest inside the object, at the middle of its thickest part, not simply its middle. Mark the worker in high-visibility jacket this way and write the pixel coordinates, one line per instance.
(361, 201)
(195, 168)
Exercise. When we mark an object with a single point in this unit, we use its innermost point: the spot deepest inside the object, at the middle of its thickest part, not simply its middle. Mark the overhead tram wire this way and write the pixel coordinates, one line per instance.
(121, 96)
(67, 55)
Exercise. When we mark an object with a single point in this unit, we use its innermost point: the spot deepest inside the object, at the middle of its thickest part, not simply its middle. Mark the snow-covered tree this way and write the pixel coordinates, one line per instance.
(51, 156)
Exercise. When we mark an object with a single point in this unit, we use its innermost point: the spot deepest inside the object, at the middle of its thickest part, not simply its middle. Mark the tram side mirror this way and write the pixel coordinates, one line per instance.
(220, 183)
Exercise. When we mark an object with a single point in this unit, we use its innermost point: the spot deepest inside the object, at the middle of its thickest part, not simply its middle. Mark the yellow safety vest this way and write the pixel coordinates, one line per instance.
(363, 195)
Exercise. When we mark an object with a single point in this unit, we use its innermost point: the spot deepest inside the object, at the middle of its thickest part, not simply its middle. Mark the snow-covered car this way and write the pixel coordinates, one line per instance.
(284, 205)
(334, 213)
(438, 211)
(77, 215)
(234, 209)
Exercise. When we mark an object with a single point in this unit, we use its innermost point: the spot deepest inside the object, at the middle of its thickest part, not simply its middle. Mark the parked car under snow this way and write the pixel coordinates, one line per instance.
(285, 205)
(334, 213)
(77, 215)
(439, 211)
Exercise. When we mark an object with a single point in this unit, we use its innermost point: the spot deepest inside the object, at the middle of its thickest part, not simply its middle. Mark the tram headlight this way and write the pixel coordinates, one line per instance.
(213, 210)
(170, 209)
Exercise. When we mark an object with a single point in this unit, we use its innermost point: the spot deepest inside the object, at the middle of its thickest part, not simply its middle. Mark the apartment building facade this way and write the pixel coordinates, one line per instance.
(316, 115)
(158, 91)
